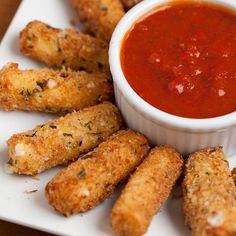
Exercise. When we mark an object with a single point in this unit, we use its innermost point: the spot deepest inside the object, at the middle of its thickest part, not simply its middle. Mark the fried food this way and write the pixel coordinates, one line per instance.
(145, 192)
(94, 177)
(234, 175)
(209, 194)
(99, 16)
(130, 3)
(52, 91)
(69, 48)
(62, 140)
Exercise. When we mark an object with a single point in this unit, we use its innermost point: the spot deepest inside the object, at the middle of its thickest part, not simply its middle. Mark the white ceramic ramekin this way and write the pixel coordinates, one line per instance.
(186, 135)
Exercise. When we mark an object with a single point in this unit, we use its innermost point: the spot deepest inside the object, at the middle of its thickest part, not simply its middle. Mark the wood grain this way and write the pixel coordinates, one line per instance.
(7, 11)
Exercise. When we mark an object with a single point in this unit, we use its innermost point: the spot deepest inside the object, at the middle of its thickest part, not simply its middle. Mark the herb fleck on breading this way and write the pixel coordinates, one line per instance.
(82, 173)
(88, 125)
(26, 93)
(31, 135)
(53, 126)
(67, 135)
(42, 84)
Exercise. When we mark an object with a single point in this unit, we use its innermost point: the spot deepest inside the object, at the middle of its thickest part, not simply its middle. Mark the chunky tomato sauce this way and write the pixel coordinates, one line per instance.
(181, 58)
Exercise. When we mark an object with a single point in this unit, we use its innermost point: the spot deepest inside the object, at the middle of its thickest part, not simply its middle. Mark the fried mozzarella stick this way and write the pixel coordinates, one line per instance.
(130, 3)
(99, 16)
(94, 177)
(209, 194)
(62, 140)
(52, 91)
(68, 48)
(147, 189)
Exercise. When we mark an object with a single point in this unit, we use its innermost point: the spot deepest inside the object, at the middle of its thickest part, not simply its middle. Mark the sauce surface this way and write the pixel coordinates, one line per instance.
(181, 58)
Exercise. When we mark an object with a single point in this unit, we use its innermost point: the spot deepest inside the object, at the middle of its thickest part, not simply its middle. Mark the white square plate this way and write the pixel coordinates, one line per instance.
(32, 209)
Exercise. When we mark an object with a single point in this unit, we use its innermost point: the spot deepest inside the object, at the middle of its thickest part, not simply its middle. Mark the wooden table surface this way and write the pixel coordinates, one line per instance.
(7, 11)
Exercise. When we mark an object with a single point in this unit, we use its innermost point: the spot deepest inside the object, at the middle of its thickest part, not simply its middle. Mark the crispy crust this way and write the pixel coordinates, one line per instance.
(234, 175)
(209, 194)
(130, 3)
(146, 191)
(68, 48)
(47, 90)
(62, 140)
(99, 16)
(91, 179)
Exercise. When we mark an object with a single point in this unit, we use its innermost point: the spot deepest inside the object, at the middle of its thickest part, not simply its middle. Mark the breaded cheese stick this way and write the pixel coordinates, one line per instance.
(52, 91)
(68, 48)
(146, 191)
(62, 140)
(130, 3)
(209, 194)
(99, 16)
(234, 175)
(94, 177)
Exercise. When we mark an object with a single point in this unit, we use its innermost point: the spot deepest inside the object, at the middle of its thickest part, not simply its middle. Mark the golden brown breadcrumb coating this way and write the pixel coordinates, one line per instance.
(99, 16)
(234, 175)
(209, 194)
(146, 191)
(62, 140)
(94, 177)
(130, 3)
(52, 91)
(69, 48)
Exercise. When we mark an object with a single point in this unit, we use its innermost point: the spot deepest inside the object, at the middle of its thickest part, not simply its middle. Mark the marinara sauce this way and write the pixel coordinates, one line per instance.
(181, 58)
